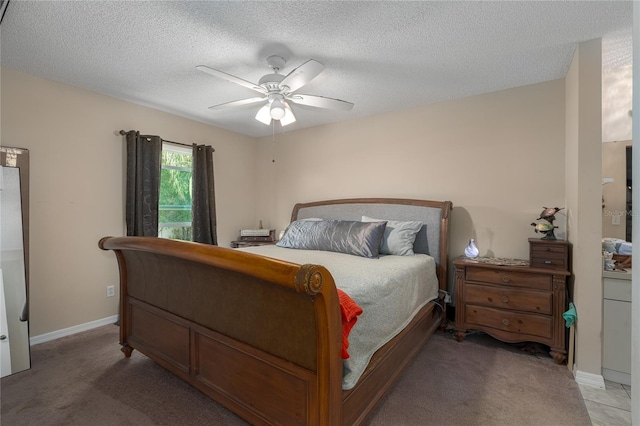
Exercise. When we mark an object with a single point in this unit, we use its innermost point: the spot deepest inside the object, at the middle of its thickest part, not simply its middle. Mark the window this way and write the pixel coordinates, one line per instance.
(174, 213)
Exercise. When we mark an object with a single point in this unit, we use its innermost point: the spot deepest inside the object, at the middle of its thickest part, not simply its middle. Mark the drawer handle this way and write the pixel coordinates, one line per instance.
(548, 262)
(506, 279)
(505, 322)
(505, 299)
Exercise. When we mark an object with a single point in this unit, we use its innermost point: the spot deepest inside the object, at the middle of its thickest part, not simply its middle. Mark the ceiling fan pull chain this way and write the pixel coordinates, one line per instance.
(273, 141)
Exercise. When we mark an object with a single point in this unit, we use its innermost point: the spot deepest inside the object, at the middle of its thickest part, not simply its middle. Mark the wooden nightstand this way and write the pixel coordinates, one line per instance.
(236, 244)
(512, 303)
(549, 253)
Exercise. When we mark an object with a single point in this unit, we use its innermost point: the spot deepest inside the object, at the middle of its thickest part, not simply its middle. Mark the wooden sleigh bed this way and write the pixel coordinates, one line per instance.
(261, 336)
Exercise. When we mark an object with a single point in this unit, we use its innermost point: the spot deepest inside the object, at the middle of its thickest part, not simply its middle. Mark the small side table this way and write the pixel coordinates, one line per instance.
(549, 253)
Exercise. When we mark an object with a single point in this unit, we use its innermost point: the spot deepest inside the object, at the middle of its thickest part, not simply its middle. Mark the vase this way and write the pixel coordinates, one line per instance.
(471, 250)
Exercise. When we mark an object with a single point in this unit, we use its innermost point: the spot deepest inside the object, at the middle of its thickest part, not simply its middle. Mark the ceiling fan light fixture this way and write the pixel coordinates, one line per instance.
(288, 116)
(277, 110)
(264, 115)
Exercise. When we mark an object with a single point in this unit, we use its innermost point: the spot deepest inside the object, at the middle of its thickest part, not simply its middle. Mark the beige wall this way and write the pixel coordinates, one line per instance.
(499, 157)
(584, 200)
(616, 103)
(614, 194)
(77, 188)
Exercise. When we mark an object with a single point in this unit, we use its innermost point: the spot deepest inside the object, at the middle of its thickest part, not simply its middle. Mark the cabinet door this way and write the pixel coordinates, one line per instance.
(617, 336)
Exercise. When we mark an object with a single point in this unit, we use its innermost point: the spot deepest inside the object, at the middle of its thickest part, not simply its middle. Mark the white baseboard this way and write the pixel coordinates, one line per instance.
(589, 379)
(617, 376)
(47, 337)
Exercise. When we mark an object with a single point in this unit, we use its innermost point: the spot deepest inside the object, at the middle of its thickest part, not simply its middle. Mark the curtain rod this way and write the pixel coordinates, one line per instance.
(124, 132)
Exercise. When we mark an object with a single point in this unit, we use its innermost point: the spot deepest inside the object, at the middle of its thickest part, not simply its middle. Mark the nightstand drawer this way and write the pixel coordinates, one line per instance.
(548, 248)
(522, 300)
(515, 322)
(549, 261)
(510, 278)
(545, 257)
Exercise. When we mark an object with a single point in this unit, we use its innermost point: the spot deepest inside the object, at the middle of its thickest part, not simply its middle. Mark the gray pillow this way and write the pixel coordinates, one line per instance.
(341, 236)
(398, 236)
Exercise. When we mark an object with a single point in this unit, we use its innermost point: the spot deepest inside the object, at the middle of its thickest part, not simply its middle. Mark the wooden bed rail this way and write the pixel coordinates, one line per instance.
(302, 278)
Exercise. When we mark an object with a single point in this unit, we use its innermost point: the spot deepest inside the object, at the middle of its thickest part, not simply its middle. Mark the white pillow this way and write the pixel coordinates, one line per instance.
(398, 236)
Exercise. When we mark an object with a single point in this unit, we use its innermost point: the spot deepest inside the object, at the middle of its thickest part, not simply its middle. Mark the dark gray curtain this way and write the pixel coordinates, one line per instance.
(204, 228)
(144, 165)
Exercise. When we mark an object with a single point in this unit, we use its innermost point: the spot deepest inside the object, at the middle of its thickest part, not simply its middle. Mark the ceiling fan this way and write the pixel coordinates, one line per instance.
(277, 90)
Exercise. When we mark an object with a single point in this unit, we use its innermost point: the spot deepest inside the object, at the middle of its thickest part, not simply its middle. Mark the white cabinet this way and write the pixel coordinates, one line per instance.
(616, 360)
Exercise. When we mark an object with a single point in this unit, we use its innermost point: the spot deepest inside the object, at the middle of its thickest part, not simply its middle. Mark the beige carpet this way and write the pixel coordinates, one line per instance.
(85, 380)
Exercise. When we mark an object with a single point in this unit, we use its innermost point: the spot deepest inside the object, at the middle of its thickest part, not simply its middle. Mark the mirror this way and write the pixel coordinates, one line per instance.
(616, 193)
(14, 261)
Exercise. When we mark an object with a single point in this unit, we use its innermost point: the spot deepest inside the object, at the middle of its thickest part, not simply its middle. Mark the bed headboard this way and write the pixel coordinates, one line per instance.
(431, 240)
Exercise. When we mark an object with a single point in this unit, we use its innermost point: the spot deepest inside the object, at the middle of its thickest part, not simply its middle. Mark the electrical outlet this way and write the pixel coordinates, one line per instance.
(111, 291)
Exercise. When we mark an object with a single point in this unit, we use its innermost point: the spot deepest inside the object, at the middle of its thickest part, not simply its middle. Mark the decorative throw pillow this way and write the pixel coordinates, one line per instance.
(341, 236)
(398, 236)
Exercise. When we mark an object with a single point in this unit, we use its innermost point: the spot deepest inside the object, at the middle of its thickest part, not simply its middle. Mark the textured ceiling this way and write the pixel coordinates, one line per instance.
(382, 56)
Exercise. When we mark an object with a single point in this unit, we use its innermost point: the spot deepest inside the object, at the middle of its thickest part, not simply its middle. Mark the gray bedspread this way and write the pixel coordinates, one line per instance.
(390, 290)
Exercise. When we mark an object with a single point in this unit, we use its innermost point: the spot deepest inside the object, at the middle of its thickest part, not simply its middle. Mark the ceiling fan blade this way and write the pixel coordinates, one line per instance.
(321, 102)
(238, 103)
(302, 75)
(230, 78)
(264, 114)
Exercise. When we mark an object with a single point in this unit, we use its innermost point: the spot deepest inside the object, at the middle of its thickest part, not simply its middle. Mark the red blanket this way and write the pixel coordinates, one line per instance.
(350, 311)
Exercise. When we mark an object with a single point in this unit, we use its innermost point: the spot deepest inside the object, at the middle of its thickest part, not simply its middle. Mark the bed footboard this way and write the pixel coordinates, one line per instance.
(258, 335)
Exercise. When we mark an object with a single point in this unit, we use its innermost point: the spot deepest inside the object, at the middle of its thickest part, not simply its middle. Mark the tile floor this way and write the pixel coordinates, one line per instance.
(610, 406)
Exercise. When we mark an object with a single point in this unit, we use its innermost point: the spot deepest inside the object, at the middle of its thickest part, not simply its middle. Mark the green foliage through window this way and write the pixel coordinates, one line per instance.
(175, 194)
